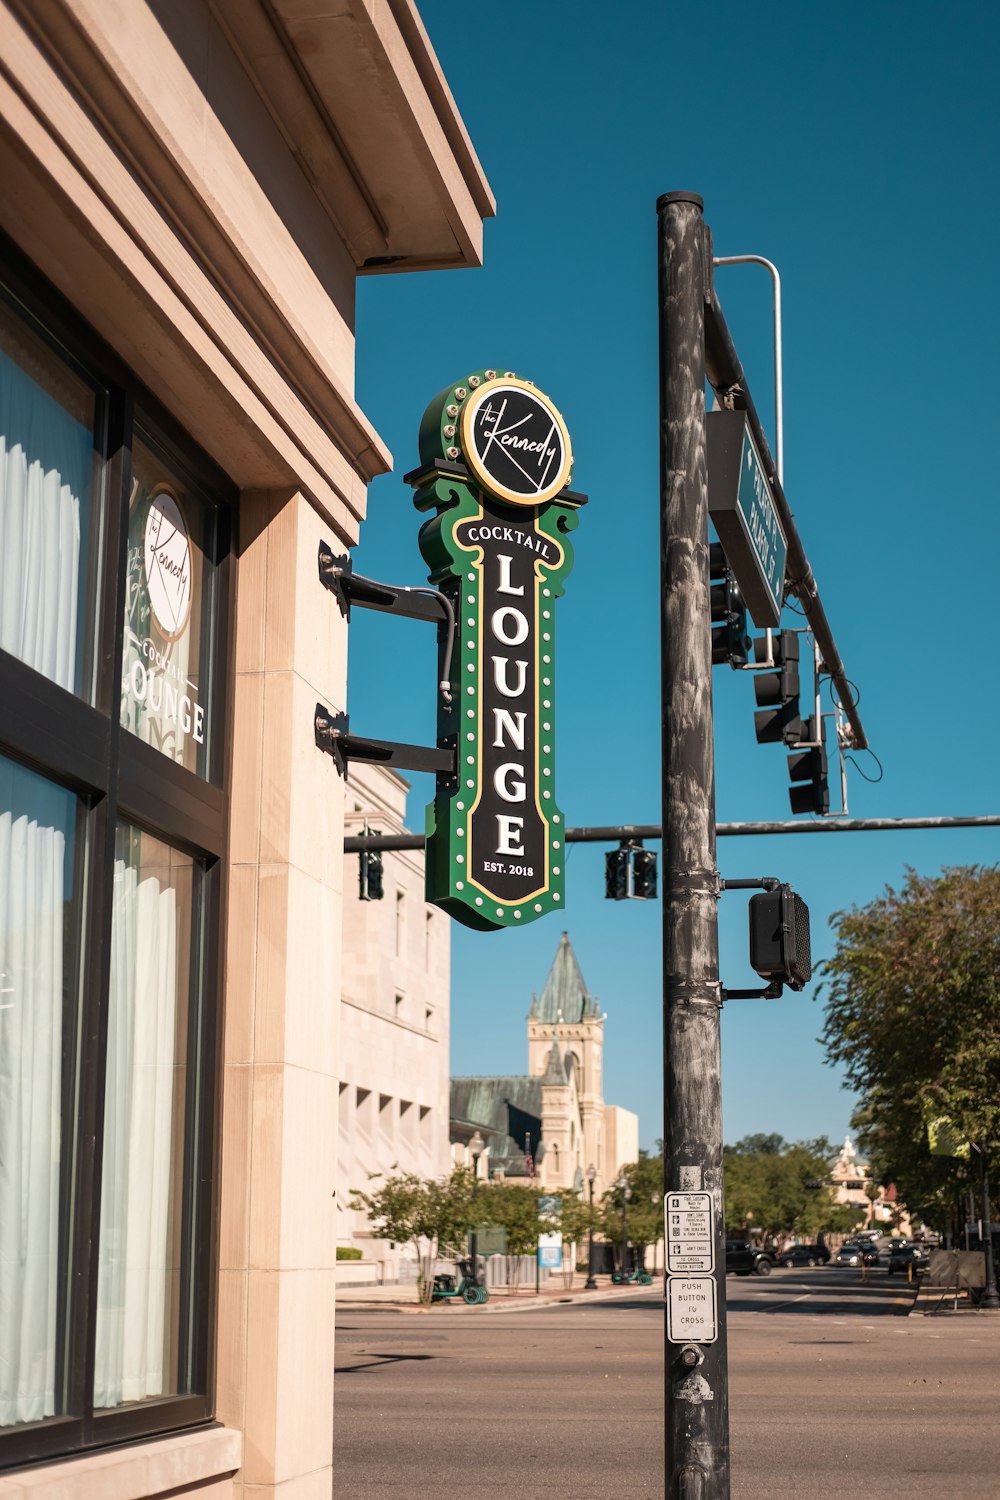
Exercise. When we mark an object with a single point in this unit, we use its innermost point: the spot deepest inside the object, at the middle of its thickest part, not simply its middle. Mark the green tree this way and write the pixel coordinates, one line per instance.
(777, 1188)
(575, 1222)
(434, 1216)
(644, 1179)
(515, 1206)
(758, 1145)
(913, 1014)
(575, 1217)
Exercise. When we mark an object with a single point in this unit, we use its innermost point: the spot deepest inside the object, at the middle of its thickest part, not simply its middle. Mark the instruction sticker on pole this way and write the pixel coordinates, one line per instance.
(691, 1310)
(688, 1233)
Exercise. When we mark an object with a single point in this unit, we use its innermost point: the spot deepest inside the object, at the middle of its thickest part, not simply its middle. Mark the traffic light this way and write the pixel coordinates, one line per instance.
(730, 641)
(370, 886)
(643, 874)
(777, 693)
(779, 937)
(810, 767)
(616, 874)
(630, 872)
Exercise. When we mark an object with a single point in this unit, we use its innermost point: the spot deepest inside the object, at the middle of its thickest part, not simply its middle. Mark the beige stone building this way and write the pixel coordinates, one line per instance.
(393, 1107)
(190, 189)
(552, 1123)
(877, 1207)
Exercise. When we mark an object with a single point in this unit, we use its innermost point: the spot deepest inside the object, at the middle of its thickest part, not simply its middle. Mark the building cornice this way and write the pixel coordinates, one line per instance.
(132, 133)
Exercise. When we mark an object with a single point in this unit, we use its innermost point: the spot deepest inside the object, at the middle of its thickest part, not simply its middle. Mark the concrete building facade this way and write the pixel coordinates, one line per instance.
(394, 1022)
(191, 188)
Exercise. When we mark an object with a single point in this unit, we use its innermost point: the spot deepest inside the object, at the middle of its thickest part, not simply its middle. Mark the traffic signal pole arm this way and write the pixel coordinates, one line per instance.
(357, 843)
(726, 376)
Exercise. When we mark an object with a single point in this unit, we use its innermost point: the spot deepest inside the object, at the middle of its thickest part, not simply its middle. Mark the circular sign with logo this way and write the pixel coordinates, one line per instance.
(515, 442)
(167, 560)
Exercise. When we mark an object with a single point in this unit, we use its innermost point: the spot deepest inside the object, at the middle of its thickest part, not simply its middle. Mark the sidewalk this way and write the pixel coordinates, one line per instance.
(403, 1299)
(943, 1301)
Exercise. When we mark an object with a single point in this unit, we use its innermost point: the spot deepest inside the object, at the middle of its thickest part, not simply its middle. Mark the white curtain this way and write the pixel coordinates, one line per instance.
(133, 1291)
(32, 894)
(45, 463)
(45, 468)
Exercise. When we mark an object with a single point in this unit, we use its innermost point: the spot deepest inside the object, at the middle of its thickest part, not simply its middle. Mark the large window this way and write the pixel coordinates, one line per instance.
(40, 910)
(114, 600)
(51, 437)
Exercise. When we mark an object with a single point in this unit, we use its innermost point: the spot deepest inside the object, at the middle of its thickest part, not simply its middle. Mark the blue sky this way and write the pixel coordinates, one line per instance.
(858, 150)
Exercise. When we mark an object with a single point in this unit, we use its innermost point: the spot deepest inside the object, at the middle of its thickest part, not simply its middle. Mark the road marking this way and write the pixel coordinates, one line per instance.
(775, 1305)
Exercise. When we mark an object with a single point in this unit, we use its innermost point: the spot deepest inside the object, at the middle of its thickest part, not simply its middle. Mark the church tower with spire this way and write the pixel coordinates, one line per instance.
(566, 1033)
(552, 1123)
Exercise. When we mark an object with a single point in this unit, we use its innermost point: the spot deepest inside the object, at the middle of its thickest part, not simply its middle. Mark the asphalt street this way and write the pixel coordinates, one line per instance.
(834, 1386)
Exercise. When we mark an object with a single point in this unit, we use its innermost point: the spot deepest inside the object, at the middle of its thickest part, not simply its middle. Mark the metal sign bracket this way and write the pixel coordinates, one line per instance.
(333, 736)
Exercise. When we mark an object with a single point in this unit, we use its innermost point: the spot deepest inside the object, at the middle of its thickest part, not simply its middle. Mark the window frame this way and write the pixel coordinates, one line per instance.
(81, 746)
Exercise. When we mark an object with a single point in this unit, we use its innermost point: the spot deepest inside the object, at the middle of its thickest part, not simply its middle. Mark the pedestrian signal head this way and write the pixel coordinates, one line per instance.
(779, 937)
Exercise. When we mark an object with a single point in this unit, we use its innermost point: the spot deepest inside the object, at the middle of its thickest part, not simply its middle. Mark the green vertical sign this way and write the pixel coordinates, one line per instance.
(495, 461)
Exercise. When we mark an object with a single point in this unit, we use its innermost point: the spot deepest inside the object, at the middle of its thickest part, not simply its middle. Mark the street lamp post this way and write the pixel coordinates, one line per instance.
(626, 1195)
(991, 1298)
(477, 1146)
(591, 1283)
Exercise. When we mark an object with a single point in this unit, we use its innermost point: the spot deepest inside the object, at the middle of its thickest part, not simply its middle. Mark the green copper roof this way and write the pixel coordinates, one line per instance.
(565, 996)
(512, 1106)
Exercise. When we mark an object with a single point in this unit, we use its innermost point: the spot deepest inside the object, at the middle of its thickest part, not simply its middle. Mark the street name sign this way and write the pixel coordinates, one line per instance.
(743, 512)
(690, 1242)
(692, 1312)
(495, 461)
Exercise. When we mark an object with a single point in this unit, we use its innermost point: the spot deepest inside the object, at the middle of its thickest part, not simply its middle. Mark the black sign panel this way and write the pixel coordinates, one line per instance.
(515, 442)
(508, 823)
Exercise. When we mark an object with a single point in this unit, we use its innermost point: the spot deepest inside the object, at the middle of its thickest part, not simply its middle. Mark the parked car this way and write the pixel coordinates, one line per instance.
(805, 1255)
(856, 1255)
(901, 1257)
(746, 1260)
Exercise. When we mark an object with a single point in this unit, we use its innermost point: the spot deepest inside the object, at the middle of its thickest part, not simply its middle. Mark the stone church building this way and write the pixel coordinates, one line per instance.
(552, 1123)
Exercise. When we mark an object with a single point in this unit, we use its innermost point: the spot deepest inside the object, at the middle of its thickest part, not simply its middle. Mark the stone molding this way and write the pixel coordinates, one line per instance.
(135, 1472)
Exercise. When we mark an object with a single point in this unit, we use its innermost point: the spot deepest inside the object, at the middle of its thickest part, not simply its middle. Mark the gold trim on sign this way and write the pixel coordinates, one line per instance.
(472, 547)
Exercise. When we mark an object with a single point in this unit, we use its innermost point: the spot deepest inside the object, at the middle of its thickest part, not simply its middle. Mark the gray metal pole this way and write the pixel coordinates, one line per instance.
(991, 1298)
(354, 843)
(696, 1378)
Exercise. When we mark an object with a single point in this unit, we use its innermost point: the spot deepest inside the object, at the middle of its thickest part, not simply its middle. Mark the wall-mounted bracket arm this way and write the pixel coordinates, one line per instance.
(331, 733)
(333, 736)
(414, 601)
